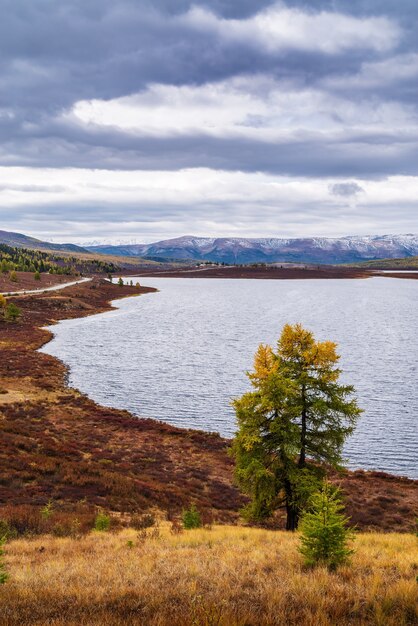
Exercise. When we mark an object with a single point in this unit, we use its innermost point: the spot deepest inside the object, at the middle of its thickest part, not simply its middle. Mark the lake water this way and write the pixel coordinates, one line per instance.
(180, 355)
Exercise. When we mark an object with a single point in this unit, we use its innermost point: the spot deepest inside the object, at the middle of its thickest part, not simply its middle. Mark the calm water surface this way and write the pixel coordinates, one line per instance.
(180, 355)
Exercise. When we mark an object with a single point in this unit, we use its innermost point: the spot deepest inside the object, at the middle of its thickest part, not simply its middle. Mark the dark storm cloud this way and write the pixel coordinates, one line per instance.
(361, 155)
(54, 54)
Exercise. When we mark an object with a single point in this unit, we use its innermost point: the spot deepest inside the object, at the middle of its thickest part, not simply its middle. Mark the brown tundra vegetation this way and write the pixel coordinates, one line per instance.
(63, 458)
(59, 445)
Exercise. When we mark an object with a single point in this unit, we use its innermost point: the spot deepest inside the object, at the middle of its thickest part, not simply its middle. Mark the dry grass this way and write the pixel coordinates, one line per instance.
(227, 576)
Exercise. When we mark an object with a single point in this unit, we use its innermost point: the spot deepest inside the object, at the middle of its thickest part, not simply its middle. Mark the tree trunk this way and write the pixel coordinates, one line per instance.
(292, 511)
(302, 455)
(292, 519)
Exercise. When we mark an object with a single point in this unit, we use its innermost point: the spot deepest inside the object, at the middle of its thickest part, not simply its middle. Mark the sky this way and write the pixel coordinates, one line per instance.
(135, 120)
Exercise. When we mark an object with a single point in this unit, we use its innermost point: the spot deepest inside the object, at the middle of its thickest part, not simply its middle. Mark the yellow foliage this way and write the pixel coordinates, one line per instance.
(264, 363)
(298, 344)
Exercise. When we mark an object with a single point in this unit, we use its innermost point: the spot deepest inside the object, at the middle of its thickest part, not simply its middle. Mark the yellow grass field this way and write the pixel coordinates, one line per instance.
(226, 576)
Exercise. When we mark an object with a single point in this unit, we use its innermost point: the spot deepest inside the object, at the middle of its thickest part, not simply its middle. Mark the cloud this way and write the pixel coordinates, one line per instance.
(279, 28)
(319, 93)
(346, 190)
(158, 204)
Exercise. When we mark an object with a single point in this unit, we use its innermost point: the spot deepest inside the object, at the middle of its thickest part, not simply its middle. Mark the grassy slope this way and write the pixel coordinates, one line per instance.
(225, 576)
(407, 263)
(121, 261)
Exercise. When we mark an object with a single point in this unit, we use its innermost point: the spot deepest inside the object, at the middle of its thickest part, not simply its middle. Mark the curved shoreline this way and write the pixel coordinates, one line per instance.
(60, 444)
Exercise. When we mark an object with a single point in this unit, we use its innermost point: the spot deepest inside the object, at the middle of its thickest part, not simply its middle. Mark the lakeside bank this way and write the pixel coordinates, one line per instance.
(61, 445)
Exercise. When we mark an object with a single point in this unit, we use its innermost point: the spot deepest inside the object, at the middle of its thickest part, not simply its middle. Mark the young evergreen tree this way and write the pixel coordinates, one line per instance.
(3, 572)
(12, 312)
(324, 534)
(294, 421)
(191, 518)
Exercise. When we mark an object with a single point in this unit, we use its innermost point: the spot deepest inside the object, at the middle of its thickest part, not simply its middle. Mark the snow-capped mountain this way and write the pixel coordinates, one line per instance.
(304, 250)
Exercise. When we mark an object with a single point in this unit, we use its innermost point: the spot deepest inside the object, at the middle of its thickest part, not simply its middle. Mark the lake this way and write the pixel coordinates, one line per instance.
(180, 355)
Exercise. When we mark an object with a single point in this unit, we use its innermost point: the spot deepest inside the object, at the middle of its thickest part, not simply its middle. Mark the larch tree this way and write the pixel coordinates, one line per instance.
(293, 424)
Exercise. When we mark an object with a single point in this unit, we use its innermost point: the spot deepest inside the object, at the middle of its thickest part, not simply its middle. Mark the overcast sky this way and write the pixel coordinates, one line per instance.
(144, 120)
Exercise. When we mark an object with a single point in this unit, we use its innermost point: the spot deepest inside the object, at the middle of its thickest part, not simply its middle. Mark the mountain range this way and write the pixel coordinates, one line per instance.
(234, 250)
(272, 250)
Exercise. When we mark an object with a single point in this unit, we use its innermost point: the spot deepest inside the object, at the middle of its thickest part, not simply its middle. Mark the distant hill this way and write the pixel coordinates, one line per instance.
(409, 263)
(316, 250)
(17, 240)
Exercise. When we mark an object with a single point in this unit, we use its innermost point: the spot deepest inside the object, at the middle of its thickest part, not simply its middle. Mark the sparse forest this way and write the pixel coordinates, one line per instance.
(27, 260)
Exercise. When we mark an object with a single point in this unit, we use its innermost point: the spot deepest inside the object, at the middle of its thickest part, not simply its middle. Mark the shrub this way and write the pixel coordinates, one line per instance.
(3, 573)
(142, 521)
(6, 531)
(176, 528)
(47, 510)
(37, 276)
(11, 312)
(102, 522)
(22, 520)
(191, 518)
(13, 276)
(324, 532)
(120, 282)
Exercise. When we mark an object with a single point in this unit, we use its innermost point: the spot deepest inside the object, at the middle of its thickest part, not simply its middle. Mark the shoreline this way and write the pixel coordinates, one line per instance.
(272, 273)
(75, 448)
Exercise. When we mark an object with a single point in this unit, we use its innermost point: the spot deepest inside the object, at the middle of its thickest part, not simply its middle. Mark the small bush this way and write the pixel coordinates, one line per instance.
(22, 520)
(102, 522)
(142, 521)
(191, 518)
(324, 532)
(47, 510)
(3, 573)
(6, 531)
(176, 528)
(12, 312)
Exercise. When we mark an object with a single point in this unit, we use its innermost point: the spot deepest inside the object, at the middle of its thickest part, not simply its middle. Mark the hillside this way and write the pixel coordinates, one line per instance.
(32, 260)
(410, 263)
(72, 256)
(23, 241)
(268, 250)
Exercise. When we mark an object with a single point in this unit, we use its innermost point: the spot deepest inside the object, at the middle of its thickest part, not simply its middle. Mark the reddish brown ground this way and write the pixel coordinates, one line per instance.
(394, 274)
(260, 272)
(56, 443)
(26, 280)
